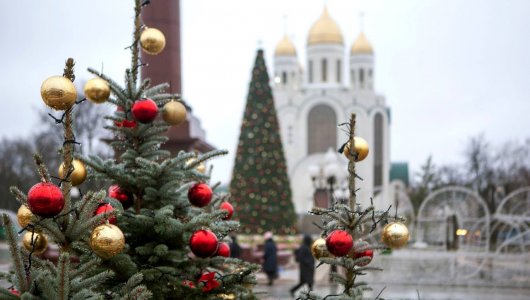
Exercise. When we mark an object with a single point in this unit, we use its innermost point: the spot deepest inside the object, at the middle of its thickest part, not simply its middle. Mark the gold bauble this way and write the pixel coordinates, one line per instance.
(97, 90)
(152, 41)
(201, 167)
(58, 92)
(319, 249)
(174, 113)
(395, 235)
(361, 148)
(39, 239)
(107, 240)
(226, 296)
(24, 216)
(78, 176)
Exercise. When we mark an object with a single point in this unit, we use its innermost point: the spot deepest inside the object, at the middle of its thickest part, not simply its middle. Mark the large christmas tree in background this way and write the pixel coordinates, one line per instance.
(260, 186)
(169, 222)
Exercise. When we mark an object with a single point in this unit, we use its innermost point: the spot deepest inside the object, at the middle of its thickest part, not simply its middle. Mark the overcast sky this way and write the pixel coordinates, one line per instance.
(449, 69)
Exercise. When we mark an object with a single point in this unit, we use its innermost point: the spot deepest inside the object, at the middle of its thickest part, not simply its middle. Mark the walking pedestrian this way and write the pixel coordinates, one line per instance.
(307, 264)
(270, 259)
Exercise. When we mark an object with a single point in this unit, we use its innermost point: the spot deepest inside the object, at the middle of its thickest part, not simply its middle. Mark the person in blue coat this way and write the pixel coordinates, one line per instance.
(270, 257)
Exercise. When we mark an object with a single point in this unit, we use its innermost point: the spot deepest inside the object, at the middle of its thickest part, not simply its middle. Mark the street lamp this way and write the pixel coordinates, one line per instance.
(326, 177)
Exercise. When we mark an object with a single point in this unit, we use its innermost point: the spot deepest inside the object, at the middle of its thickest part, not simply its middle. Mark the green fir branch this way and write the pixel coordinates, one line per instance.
(19, 195)
(15, 255)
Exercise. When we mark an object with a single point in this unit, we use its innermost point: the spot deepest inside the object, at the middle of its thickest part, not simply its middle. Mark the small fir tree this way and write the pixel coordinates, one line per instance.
(175, 225)
(260, 186)
(346, 229)
(50, 215)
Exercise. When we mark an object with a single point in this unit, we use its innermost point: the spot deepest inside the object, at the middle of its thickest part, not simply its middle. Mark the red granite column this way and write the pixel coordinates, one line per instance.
(164, 67)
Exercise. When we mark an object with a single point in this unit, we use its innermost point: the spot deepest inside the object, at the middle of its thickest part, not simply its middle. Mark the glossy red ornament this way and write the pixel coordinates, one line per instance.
(125, 123)
(339, 242)
(14, 292)
(45, 199)
(209, 282)
(366, 253)
(203, 243)
(144, 110)
(126, 198)
(229, 208)
(104, 208)
(188, 283)
(200, 195)
(223, 250)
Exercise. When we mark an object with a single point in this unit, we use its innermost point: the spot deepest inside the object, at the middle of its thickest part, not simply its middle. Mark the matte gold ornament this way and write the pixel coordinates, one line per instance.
(361, 148)
(201, 167)
(395, 235)
(226, 296)
(39, 239)
(78, 176)
(319, 249)
(152, 41)
(107, 240)
(97, 90)
(174, 113)
(24, 216)
(58, 92)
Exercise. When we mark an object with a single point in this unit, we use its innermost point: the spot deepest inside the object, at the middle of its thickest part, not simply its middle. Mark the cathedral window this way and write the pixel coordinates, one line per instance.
(338, 70)
(361, 77)
(324, 70)
(378, 150)
(310, 71)
(284, 77)
(322, 129)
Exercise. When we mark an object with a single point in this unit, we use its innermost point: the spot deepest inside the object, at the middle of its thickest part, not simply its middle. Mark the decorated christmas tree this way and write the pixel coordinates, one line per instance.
(347, 227)
(161, 225)
(49, 214)
(260, 185)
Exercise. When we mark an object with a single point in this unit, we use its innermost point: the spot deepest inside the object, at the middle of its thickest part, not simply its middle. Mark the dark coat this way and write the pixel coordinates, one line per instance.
(235, 249)
(307, 263)
(270, 259)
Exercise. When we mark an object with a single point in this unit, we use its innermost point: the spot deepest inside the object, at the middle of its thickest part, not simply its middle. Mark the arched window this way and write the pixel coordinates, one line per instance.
(361, 77)
(284, 77)
(338, 70)
(310, 71)
(321, 129)
(324, 70)
(378, 150)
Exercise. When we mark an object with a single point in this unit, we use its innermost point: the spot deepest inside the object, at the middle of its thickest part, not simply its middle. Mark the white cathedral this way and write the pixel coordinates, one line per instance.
(312, 101)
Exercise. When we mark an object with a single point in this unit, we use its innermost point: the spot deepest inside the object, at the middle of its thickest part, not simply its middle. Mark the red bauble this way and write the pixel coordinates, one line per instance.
(14, 292)
(223, 250)
(45, 199)
(126, 198)
(203, 243)
(209, 282)
(104, 208)
(125, 123)
(200, 194)
(339, 242)
(144, 110)
(366, 253)
(229, 208)
(188, 283)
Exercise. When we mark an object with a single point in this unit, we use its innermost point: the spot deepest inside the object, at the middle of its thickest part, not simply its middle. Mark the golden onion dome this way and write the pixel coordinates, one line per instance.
(362, 45)
(325, 31)
(285, 47)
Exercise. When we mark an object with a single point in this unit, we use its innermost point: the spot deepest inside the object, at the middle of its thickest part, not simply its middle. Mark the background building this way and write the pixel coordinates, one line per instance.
(312, 100)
